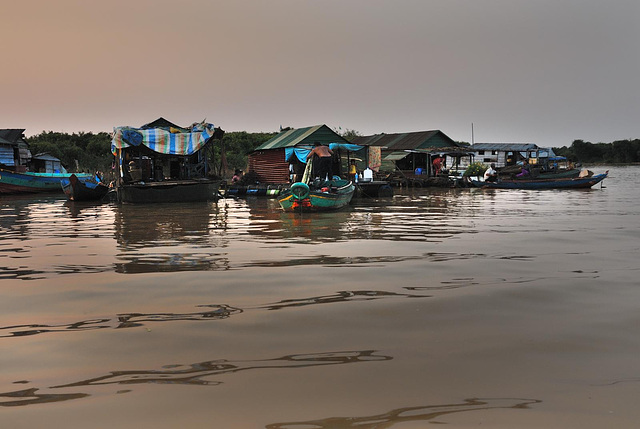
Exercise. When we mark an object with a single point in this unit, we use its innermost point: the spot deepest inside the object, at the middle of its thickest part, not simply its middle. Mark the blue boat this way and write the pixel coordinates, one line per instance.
(12, 182)
(557, 183)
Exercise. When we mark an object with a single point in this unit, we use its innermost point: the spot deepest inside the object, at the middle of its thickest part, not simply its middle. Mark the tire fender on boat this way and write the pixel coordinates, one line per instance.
(300, 190)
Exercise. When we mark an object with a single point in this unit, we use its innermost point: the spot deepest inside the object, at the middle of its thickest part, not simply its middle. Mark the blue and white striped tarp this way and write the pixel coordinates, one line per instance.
(168, 141)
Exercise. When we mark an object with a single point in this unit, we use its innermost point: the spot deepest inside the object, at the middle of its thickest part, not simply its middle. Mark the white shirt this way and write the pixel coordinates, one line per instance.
(489, 172)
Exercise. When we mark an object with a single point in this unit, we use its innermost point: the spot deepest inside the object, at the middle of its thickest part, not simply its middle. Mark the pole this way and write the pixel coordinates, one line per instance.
(472, 137)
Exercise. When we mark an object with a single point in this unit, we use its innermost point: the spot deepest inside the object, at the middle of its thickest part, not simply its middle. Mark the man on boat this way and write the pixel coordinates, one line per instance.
(322, 165)
(491, 175)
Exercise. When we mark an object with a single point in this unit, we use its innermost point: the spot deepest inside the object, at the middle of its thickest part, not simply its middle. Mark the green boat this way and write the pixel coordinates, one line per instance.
(318, 196)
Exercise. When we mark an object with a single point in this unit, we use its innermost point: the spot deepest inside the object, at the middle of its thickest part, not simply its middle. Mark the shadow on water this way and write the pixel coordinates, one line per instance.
(427, 413)
(193, 374)
(341, 296)
(124, 320)
(214, 312)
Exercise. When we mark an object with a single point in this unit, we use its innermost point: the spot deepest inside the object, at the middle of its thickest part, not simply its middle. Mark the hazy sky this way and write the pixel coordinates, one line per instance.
(540, 71)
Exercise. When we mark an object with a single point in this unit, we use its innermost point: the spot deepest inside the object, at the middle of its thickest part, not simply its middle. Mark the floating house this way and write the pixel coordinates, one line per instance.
(282, 159)
(163, 162)
(14, 151)
(508, 156)
(410, 156)
(504, 154)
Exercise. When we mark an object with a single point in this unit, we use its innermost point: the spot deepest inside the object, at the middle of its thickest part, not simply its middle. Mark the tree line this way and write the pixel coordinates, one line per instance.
(91, 152)
(618, 152)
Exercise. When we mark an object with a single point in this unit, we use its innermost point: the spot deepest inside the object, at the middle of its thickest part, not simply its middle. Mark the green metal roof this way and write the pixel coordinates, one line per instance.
(408, 141)
(395, 156)
(298, 136)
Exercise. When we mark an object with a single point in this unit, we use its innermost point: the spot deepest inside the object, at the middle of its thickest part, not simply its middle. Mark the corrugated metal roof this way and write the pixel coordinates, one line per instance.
(394, 156)
(159, 123)
(12, 136)
(308, 135)
(45, 157)
(505, 147)
(408, 141)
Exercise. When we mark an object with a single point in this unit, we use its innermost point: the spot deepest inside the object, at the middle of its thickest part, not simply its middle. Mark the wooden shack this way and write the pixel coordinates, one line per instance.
(275, 161)
(407, 158)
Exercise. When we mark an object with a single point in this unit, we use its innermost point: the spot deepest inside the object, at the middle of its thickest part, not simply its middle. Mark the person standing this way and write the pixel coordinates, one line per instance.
(437, 165)
(322, 165)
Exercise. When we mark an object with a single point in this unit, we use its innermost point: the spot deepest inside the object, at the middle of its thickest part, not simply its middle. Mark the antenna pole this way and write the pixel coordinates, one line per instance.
(472, 138)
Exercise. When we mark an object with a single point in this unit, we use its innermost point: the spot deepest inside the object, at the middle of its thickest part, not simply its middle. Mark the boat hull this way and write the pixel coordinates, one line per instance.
(565, 183)
(169, 191)
(83, 189)
(18, 183)
(317, 200)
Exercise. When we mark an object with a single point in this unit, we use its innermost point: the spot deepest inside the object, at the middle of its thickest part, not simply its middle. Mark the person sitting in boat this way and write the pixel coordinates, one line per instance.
(525, 169)
(490, 174)
(322, 164)
(237, 176)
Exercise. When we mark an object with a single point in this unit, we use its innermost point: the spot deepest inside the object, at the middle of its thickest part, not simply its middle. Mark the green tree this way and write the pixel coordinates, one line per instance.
(236, 145)
(82, 151)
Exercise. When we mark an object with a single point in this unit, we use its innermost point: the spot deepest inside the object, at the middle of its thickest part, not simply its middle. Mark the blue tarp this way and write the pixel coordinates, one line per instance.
(302, 153)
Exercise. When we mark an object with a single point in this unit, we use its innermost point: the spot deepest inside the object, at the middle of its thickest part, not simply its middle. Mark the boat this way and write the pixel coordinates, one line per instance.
(12, 182)
(84, 188)
(323, 195)
(586, 181)
(540, 173)
(317, 195)
(163, 162)
(22, 172)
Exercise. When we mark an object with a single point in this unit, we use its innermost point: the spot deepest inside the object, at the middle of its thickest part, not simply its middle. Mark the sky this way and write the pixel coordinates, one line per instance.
(538, 71)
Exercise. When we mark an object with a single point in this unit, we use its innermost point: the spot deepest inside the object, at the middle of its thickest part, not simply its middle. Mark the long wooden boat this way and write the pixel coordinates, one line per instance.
(12, 182)
(561, 173)
(558, 183)
(84, 188)
(324, 196)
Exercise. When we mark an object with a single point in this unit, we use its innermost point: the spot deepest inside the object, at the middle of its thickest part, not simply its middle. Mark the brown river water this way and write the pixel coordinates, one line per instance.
(493, 308)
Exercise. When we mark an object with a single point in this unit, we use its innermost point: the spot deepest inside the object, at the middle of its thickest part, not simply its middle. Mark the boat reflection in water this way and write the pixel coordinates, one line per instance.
(197, 373)
(427, 413)
(169, 237)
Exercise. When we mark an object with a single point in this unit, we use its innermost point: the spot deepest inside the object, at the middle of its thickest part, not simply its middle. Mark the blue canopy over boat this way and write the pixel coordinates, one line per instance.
(302, 152)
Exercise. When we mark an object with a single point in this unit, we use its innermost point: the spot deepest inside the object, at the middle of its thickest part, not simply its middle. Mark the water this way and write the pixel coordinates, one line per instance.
(461, 307)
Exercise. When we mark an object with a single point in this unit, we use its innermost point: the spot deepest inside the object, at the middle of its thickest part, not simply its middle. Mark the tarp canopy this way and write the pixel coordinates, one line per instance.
(167, 141)
(395, 156)
(302, 152)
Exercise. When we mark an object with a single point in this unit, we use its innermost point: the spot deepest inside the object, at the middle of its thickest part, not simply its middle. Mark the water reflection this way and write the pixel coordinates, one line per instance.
(427, 413)
(124, 320)
(170, 238)
(31, 397)
(198, 373)
(341, 296)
